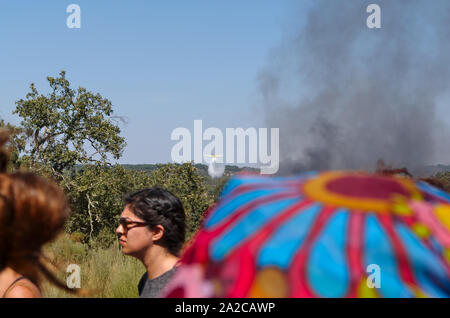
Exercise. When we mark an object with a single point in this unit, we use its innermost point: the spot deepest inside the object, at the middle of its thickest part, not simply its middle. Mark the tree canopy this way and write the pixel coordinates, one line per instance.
(67, 127)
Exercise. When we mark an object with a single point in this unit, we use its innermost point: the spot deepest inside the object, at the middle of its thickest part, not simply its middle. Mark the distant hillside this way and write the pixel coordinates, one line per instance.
(426, 171)
(422, 171)
(141, 167)
(203, 169)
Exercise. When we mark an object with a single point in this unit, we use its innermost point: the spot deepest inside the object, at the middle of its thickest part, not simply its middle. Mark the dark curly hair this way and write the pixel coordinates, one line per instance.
(157, 206)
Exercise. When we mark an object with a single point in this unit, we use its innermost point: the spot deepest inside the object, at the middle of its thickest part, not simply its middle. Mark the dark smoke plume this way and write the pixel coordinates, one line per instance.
(345, 96)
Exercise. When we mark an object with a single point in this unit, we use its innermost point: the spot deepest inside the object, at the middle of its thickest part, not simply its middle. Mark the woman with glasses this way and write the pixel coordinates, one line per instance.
(152, 229)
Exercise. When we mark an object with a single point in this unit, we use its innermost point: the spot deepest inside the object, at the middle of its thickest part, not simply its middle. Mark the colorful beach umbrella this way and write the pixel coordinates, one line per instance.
(331, 234)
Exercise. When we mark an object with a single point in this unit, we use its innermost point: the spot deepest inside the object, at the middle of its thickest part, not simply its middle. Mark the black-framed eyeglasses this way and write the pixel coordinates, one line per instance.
(127, 224)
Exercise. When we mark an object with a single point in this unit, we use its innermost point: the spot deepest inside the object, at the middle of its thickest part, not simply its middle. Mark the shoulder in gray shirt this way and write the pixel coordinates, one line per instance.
(151, 288)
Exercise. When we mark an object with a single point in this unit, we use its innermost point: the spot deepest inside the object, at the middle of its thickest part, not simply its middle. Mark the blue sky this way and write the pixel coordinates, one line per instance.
(161, 63)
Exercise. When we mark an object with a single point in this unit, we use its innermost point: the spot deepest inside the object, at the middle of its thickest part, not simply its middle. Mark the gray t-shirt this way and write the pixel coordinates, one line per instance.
(153, 287)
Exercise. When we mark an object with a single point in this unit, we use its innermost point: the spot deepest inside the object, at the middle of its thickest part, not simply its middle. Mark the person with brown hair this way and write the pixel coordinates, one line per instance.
(32, 212)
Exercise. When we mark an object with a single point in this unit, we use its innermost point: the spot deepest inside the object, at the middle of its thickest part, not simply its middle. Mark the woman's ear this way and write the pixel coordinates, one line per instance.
(158, 232)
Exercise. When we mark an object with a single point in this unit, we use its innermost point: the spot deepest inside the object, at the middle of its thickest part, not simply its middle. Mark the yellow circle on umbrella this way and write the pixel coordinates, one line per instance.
(269, 283)
(319, 189)
(442, 211)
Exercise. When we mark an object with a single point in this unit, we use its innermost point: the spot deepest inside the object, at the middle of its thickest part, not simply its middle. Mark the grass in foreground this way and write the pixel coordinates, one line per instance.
(105, 272)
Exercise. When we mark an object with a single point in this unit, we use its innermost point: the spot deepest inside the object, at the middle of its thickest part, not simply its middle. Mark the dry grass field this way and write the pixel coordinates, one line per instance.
(105, 272)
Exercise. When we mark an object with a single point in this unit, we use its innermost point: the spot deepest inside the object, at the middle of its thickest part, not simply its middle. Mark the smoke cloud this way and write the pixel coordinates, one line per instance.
(345, 96)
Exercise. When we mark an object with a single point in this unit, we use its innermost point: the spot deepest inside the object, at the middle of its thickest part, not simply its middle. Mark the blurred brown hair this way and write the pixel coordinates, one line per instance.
(32, 212)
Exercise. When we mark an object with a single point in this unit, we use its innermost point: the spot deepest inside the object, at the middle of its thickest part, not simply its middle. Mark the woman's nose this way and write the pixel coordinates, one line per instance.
(119, 230)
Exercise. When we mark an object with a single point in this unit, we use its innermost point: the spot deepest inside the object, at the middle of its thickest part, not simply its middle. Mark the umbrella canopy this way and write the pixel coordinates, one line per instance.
(331, 234)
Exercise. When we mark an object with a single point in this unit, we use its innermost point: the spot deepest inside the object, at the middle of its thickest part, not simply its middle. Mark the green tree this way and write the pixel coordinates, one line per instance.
(67, 127)
(186, 183)
(97, 198)
(219, 185)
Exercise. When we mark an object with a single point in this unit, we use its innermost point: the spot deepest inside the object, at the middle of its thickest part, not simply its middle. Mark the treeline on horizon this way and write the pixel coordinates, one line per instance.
(429, 170)
(149, 167)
